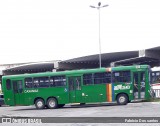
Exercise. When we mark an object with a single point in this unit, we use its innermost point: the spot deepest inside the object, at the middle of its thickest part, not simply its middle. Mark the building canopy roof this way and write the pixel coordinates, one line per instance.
(31, 68)
(148, 56)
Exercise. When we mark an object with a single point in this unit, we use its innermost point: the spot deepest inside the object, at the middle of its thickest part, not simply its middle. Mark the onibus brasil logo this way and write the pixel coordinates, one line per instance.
(21, 120)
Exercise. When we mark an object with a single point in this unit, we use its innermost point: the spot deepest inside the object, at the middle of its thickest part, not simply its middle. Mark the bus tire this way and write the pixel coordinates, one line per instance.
(122, 99)
(52, 103)
(39, 103)
(61, 105)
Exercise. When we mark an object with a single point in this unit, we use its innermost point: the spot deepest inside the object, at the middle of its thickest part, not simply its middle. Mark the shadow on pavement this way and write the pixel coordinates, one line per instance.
(68, 106)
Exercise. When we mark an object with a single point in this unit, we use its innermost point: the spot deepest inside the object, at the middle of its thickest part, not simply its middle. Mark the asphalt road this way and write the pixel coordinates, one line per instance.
(140, 109)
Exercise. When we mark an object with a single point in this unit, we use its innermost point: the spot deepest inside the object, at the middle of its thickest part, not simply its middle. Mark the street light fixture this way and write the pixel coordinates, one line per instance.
(99, 7)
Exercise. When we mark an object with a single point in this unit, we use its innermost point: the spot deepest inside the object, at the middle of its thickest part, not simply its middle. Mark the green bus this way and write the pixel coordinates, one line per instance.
(55, 89)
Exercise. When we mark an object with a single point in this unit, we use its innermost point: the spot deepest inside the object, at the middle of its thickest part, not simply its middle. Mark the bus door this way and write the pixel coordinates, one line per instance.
(139, 83)
(18, 92)
(74, 83)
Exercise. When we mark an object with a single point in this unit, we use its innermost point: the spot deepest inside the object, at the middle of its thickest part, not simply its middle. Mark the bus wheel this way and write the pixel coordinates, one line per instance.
(122, 99)
(52, 103)
(39, 104)
(61, 105)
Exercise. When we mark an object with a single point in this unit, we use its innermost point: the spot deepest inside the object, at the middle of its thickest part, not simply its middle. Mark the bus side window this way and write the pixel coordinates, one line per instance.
(98, 78)
(57, 81)
(60, 81)
(126, 76)
(157, 77)
(51, 80)
(43, 82)
(121, 76)
(88, 79)
(116, 77)
(36, 82)
(102, 78)
(8, 84)
(153, 78)
(107, 77)
(28, 83)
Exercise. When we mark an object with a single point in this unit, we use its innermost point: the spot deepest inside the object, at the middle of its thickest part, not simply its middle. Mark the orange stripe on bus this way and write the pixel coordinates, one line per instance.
(108, 69)
(109, 92)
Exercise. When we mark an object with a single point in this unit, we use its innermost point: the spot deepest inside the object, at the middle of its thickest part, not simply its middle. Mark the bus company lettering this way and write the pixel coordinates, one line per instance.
(30, 91)
(121, 87)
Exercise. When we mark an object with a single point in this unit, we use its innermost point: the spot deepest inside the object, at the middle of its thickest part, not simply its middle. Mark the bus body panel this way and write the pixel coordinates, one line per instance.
(44, 93)
(128, 88)
(75, 90)
(94, 93)
(8, 97)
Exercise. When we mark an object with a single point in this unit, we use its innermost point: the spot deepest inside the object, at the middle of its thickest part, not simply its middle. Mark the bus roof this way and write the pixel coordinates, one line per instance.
(76, 71)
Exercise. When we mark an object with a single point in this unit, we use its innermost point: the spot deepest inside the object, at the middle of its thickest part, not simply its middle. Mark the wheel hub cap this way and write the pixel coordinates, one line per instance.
(52, 103)
(121, 99)
(39, 104)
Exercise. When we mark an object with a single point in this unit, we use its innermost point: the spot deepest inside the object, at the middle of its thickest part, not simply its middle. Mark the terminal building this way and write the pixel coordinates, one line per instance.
(149, 56)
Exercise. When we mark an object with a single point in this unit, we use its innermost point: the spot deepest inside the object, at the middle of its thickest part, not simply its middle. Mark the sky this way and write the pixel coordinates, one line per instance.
(44, 30)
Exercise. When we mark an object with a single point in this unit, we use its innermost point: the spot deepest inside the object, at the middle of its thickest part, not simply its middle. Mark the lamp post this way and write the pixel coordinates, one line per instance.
(99, 7)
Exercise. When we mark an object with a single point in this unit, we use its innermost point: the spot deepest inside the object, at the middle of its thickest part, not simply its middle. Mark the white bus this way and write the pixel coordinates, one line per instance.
(155, 81)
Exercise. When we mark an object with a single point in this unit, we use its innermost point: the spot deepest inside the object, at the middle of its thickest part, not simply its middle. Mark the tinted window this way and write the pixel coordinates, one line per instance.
(28, 83)
(155, 78)
(43, 82)
(102, 78)
(35, 82)
(88, 79)
(135, 79)
(121, 76)
(97, 78)
(20, 87)
(40, 82)
(57, 81)
(142, 81)
(8, 84)
(17, 86)
(78, 83)
(71, 83)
